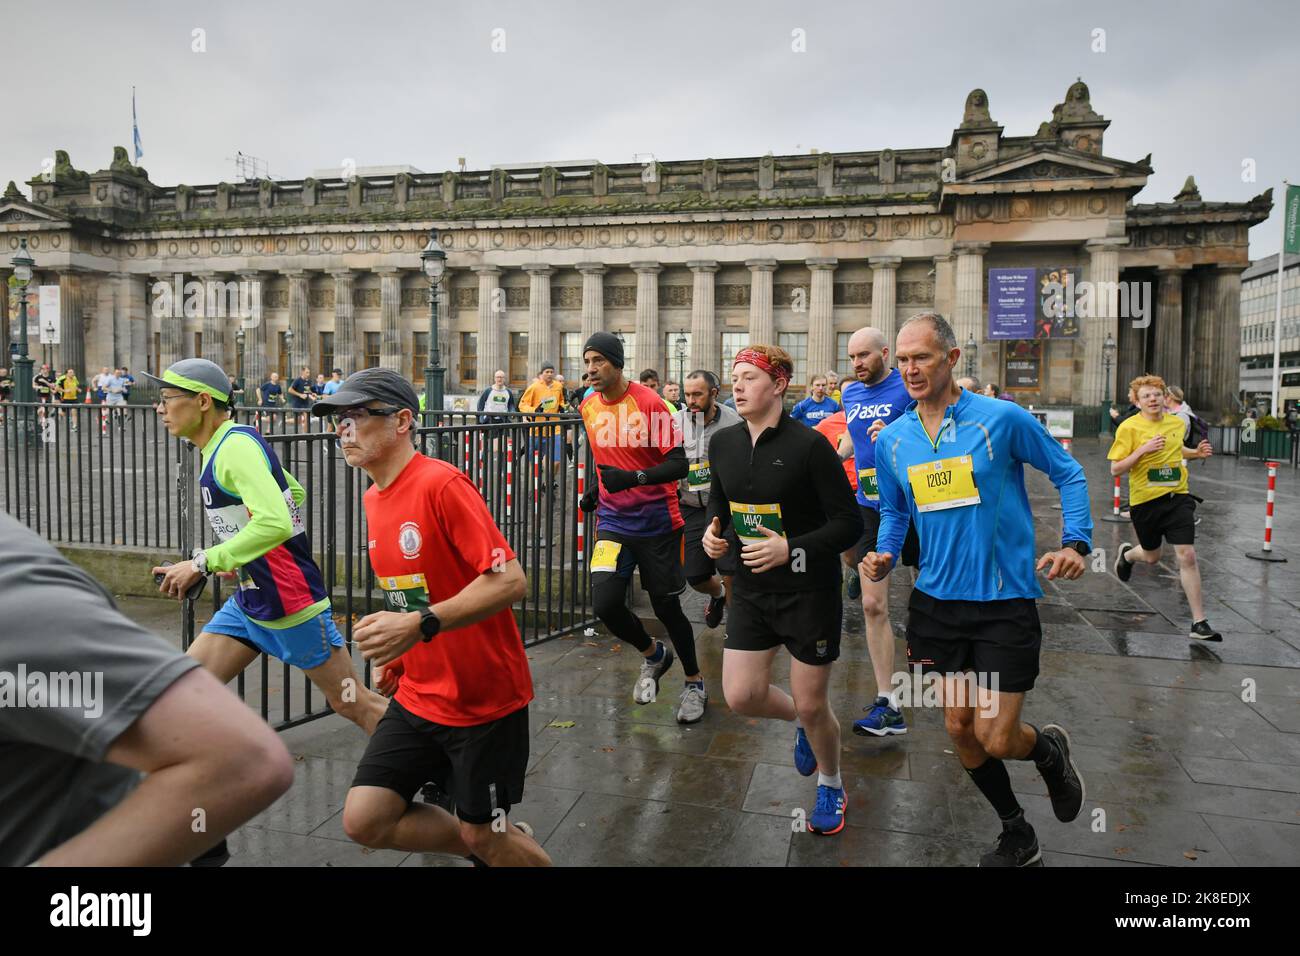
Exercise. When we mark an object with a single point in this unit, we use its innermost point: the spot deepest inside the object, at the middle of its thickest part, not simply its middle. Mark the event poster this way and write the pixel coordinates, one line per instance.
(1033, 303)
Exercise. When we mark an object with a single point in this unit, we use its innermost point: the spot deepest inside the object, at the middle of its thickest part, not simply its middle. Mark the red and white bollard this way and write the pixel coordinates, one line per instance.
(481, 472)
(464, 453)
(1067, 444)
(103, 418)
(1114, 514)
(582, 481)
(510, 478)
(1266, 554)
(537, 464)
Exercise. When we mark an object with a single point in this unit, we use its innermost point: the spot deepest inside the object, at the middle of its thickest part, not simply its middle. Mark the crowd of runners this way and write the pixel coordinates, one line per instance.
(898, 470)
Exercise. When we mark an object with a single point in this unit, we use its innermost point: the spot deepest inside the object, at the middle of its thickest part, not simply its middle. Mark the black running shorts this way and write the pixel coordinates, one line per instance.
(1171, 517)
(1000, 638)
(808, 623)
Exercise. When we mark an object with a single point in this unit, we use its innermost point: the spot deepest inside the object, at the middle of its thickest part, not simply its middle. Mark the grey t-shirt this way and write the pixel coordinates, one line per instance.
(696, 435)
(62, 629)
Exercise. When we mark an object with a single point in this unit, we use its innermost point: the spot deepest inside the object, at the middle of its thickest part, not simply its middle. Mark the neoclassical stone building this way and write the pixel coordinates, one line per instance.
(708, 253)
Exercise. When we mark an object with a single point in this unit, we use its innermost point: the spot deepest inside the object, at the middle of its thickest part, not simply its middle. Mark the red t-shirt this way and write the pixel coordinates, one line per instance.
(430, 536)
(833, 426)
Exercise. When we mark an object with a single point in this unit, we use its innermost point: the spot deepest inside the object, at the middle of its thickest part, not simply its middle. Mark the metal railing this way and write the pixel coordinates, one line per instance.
(99, 475)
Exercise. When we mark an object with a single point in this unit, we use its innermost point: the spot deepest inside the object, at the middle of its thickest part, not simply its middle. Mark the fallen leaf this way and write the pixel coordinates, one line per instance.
(1120, 828)
(608, 750)
(1120, 850)
(562, 724)
(1190, 855)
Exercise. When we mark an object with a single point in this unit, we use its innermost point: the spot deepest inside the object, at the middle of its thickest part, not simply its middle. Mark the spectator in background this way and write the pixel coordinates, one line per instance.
(817, 406)
(673, 396)
(497, 399)
(333, 384)
(1119, 417)
(649, 378)
(969, 383)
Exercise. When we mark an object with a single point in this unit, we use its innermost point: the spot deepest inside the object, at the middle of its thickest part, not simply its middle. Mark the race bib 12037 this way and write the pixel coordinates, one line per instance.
(947, 483)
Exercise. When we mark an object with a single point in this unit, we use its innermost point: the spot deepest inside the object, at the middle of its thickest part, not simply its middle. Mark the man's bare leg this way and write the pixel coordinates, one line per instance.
(337, 680)
(747, 685)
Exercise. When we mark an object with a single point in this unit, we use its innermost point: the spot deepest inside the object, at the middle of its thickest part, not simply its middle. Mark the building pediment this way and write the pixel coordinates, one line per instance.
(1051, 163)
(21, 211)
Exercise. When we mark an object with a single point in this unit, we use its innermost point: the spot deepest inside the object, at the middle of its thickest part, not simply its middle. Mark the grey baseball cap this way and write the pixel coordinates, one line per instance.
(368, 385)
(195, 375)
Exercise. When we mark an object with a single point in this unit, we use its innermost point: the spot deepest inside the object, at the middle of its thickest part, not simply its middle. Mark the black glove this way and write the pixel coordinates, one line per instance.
(616, 479)
(588, 500)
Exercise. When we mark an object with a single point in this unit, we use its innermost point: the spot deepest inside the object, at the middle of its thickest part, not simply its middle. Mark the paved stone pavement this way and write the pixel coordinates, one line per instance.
(1184, 771)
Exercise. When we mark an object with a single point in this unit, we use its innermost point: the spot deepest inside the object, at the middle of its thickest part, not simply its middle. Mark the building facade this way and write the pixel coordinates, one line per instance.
(693, 257)
(1258, 317)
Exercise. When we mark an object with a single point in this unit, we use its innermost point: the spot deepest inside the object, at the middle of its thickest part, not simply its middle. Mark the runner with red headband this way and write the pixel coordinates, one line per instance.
(781, 487)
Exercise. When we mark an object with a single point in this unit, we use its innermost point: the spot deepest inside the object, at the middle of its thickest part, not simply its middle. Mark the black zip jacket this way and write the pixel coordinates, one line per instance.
(795, 467)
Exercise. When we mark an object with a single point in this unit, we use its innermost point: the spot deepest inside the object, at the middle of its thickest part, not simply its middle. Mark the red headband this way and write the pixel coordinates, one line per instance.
(754, 357)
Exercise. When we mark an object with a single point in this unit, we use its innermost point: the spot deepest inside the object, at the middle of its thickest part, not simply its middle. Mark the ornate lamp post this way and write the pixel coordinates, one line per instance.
(23, 389)
(434, 259)
(681, 362)
(239, 363)
(287, 358)
(1107, 363)
(972, 347)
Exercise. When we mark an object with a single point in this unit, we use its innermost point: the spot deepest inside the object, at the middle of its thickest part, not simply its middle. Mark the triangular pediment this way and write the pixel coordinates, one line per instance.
(1049, 163)
(15, 210)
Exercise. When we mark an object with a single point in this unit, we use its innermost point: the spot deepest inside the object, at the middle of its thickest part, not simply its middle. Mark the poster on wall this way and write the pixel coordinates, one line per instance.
(1033, 303)
(50, 324)
(33, 310)
(1023, 365)
(1056, 317)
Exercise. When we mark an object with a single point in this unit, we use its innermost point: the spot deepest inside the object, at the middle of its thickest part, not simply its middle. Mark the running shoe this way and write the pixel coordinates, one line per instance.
(1123, 567)
(828, 815)
(1064, 783)
(647, 682)
(855, 587)
(1201, 631)
(1017, 846)
(218, 855)
(693, 703)
(882, 720)
(713, 613)
(805, 761)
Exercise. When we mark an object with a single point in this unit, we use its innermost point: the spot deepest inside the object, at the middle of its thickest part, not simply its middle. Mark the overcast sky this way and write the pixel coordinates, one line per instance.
(1202, 86)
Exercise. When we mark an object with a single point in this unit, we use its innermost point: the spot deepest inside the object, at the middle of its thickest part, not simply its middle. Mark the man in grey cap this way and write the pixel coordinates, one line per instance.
(280, 607)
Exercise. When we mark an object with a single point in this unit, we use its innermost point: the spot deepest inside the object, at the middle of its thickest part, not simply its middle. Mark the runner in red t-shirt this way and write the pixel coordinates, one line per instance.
(446, 646)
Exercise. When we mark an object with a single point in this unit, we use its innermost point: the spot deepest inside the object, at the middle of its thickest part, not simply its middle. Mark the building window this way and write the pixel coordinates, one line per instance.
(843, 364)
(282, 356)
(571, 366)
(372, 350)
(796, 343)
(198, 345)
(518, 370)
(157, 353)
(326, 353)
(467, 370)
(676, 367)
(630, 368)
(419, 355)
(732, 342)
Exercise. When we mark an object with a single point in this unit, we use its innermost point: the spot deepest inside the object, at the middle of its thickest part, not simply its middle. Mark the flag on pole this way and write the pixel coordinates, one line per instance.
(135, 128)
(1291, 220)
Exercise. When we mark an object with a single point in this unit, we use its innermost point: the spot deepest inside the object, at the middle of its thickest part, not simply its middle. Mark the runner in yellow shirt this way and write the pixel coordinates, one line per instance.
(1150, 448)
(545, 394)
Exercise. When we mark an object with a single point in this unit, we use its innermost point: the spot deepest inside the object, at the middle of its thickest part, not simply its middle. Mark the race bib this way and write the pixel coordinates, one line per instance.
(1168, 477)
(700, 476)
(404, 592)
(604, 556)
(747, 519)
(867, 483)
(947, 483)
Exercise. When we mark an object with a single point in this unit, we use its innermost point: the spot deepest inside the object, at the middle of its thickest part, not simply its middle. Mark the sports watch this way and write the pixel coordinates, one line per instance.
(200, 560)
(1078, 546)
(641, 478)
(429, 624)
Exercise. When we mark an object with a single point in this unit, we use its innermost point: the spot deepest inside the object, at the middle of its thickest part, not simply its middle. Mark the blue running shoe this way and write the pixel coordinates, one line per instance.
(805, 761)
(881, 720)
(828, 816)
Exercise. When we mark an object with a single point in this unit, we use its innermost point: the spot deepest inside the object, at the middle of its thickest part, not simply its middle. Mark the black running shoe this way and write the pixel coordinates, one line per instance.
(1123, 568)
(1017, 846)
(219, 855)
(855, 587)
(1201, 631)
(713, 614)
(1064, 783)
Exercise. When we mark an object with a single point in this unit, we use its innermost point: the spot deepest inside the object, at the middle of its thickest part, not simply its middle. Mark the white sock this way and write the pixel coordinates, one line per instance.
(798, 723)
(826, 780)
(892, 697)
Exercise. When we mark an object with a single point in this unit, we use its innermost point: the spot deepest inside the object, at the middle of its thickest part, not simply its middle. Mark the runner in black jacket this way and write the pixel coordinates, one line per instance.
(783, 489)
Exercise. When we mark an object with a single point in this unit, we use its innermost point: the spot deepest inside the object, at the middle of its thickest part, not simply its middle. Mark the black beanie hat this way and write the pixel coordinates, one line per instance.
(608, 345)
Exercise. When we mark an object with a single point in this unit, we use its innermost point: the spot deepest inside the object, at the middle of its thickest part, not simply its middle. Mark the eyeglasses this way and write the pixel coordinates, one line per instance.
(361, 411)
(164, 399)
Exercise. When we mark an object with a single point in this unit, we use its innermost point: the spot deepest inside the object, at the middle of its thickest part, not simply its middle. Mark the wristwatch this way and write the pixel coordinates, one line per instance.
(1078, 546)
(641, 478)
(200, 560)
(429, 624)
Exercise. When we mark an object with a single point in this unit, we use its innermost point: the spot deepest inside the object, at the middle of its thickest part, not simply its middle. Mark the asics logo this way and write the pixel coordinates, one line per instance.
(883, 410)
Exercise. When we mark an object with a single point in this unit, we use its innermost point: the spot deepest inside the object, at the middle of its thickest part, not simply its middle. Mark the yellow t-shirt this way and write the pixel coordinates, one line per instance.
(1156, 473)
(70, 385)
(540, 397)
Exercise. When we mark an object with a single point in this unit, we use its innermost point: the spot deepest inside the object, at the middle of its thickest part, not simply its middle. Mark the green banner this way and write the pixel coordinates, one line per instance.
(1291, 226)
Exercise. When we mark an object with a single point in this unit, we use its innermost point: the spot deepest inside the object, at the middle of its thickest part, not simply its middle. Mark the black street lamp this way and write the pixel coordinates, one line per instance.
(434, 259)
(287, 358)
(239, 363)
(681, 363)
(24, 391)
(971, 348)
(1107, 363)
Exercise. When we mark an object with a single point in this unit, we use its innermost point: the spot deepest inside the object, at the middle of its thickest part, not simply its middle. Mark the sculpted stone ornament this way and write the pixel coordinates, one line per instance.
(64, 173)
(977, 110)
(121, 164)
(1189, 192)
(12, 192)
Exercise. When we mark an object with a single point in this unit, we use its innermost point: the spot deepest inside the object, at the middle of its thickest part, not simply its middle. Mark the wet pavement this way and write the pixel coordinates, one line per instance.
(1190, 751)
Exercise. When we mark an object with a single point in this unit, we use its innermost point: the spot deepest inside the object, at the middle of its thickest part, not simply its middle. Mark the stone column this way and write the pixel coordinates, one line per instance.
(705, 340)
(71, 350)
(492, 341)
(6, 333)
(762, 325)
(115, 339)
(821, 317)
(1191, 305)
(884, 296)
(212, 303)
(253, 284)
(1169, 323)
(1103, 272)
(593, 298)
(171, 325)
(345, 323)
(541, 336)
(1225, 367)
(968, 312)
(649, 350)
(390, 319)
(301, 350)
(1198, 391)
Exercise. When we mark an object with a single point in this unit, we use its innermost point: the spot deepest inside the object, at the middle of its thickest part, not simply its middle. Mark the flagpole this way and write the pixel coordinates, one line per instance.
(1277, 319)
